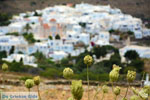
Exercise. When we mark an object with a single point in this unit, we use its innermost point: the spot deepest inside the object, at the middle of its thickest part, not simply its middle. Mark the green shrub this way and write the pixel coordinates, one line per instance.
(24, 78)
(92, 76)
(52, 73)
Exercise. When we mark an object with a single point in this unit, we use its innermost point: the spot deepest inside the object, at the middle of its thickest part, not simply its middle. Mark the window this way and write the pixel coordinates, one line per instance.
(65, 47)
(70, 36)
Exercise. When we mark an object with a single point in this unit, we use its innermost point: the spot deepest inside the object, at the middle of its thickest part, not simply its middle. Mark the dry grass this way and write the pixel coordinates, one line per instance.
(62, 92)
(58, 92)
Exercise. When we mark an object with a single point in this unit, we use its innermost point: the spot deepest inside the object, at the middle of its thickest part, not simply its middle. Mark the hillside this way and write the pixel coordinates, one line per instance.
(138, 8)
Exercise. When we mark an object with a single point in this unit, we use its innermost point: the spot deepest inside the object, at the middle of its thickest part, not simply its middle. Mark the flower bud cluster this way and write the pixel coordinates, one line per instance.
(117, 91)
(36, 80)
(134, 97)
(147, 89)
(143, 95)
(88, 60)
(77, 89)
(67, 73)
(4, 67)
(105, 88)
(114, 74)
(29, 83)
(131, 75)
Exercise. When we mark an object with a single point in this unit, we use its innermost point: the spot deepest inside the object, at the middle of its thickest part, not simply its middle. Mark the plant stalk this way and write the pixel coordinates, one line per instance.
(88, 82)
(102, 97)
(127, 90)
(116, 97)
(97, 91)
(113, 89)
(38, 92)
(29, 94)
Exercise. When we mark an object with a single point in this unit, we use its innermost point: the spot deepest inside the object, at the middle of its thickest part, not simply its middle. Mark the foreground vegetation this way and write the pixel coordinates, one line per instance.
(98, 71)
(77, 89)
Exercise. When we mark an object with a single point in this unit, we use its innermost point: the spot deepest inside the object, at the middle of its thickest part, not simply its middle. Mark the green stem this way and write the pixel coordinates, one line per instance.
(112, 86)
(116, 97)
(88, 82)
(127, 90)
(29, 93)
(38, 92)
(113, 89)
(97, 91)
(3, 80)
(102, 96)
(143, 76)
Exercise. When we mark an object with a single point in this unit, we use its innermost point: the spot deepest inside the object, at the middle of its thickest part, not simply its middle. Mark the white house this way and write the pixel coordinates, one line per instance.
(60, 45)
(32, 19)
(93, 28)
(77, 28)
(102, 38)
(4, 30)
(42, 47)
(17, 27)
(104, 35)
(27, 60)
(85, 38)
(71, 35)
(144, 52)
(138, 34)
(76, 52)
(58, 55)
(146, 32)
(19, 43)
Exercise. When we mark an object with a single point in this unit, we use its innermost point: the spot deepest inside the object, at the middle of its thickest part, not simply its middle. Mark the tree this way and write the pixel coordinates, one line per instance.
(111, 31)
(29, 37)
(99, 51)
(39, 56)
(36, 14)
(20, 52)
(138, 64)
(12, 50)
(57, 37)
(3, 54)
(130, 33)
(13, 33)
(131, 55)
(50, 37)
(27, 27)
(80, 66)
(115, 59)
(4, 19)
(83, 25)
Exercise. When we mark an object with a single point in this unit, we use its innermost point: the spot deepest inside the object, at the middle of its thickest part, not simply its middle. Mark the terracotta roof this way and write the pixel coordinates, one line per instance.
(52, 20)
(69, 4)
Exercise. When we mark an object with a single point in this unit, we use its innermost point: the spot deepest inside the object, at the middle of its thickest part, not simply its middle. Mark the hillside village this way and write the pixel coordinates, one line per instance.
(65, 30)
